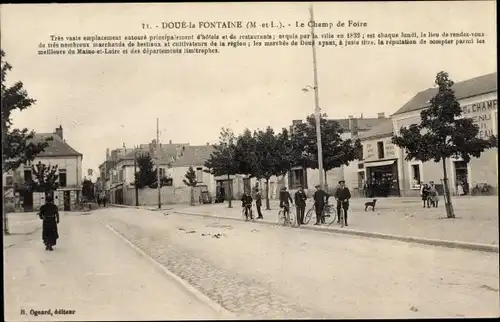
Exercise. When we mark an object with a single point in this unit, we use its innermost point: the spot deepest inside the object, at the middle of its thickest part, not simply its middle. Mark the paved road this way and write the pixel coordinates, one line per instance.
(278, 272)
(93, 272)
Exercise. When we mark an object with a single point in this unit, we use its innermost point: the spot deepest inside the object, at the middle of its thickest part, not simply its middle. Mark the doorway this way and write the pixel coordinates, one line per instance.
(28, 201)
(461, 175)
(67, 201)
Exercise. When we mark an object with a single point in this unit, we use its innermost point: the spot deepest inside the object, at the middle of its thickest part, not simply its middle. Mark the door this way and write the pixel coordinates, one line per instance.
(28, 201)
(67, 201)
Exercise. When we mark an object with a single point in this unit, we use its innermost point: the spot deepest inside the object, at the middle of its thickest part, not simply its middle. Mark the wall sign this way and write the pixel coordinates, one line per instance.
(481, 113)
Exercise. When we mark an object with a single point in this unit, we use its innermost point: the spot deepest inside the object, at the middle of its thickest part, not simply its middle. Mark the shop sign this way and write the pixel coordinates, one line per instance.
(482, 115)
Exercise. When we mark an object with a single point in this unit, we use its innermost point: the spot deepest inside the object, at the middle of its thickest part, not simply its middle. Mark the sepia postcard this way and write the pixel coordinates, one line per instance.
(249, 160)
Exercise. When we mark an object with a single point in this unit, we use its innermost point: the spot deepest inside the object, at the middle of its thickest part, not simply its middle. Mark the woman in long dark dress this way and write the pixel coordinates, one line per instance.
(50, 216)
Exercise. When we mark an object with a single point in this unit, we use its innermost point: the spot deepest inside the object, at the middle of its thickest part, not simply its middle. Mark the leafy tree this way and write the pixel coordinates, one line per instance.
(146, 176)
(336, 150)
(190, 181)
(273, 155)
(222, 161)
(245, 154)
(45, 178)
(88, 189)
(442, 134)
(18, 146)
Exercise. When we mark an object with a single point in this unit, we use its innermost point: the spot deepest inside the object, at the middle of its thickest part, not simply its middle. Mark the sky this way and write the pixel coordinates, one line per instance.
(105, 101)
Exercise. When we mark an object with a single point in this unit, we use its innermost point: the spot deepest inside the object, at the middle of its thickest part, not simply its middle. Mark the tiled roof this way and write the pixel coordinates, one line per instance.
(166, 153)
(364, 124)
(383, 128)
(57, 147)
(468, 88)
(194, 156)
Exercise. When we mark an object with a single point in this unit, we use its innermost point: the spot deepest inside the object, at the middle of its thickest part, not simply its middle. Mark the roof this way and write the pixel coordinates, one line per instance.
(383, 128)
(57, 147)
(194, 156)
(468, 88)
(364, 124)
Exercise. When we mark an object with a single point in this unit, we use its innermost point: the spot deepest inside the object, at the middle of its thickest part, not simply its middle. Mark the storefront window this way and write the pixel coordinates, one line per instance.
(415, 175)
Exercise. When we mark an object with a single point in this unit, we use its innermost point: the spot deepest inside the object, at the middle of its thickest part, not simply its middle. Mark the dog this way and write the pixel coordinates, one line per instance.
(370, 204)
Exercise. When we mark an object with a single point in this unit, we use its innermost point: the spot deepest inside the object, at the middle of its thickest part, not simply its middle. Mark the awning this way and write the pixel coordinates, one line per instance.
(379, 163)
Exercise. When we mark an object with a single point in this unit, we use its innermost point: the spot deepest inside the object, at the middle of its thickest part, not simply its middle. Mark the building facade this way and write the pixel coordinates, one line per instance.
(478, 99)
(69, 163)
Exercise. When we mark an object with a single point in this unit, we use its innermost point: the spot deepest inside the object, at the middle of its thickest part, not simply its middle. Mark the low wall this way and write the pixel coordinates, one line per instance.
(169, 195)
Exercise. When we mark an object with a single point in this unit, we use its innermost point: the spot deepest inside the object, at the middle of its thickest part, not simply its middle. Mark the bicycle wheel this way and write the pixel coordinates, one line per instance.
(281, 218)
(308, 216)
(330, 219)
(293, 218)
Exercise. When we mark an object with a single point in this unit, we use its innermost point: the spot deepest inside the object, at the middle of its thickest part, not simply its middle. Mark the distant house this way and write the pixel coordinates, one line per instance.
(69, 162)
(193, 156)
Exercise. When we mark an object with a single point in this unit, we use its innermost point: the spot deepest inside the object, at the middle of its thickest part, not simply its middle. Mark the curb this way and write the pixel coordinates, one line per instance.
(224, 313)
(416, 240)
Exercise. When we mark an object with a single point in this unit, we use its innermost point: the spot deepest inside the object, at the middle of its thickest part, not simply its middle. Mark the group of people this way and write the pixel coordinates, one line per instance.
(320, 197)
(429, 194)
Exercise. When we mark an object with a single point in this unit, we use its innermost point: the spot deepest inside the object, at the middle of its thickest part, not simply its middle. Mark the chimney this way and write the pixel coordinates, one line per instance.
(169, 141)
(107, 153)
(381, 115)
(59, 132)
(208, 143)
(354, 127)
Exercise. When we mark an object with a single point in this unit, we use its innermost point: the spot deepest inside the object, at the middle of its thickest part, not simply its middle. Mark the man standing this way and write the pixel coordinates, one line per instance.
(320, 200)
(342, 195)
(300, 203)
(258, 203)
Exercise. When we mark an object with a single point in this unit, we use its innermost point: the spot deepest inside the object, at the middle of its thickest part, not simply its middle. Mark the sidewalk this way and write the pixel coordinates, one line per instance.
(93, 275)
(402, 217)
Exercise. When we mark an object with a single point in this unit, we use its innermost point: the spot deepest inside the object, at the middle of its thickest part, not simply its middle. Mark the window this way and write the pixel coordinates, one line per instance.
(9, 181)
(62, 177)
(120, 175)
(361, 153)
(27, 176)
(380, 149)
(199, 174)
(296, 178)
(162, 173)
(416, 177)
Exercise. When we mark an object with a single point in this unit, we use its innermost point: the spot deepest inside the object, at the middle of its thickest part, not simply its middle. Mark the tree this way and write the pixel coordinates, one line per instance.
(190, 181)
(18, 146)
(146, 176)
(337, 151)
(442, 134)
(88, 189)
(45, 178)
(222, 161)
(245, 154)
(273, 155)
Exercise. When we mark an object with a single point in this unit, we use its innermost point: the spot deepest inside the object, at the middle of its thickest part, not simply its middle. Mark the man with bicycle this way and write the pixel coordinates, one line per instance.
(320, 200)
(285, 200)
(246, 203)
(342, 195)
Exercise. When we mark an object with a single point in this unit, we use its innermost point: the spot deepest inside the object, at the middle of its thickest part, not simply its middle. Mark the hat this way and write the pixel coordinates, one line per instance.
(49, 198)
(317, 186)
(342, 181)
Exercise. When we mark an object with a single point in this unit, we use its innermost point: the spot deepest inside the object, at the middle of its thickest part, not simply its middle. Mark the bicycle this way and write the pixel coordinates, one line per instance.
(247, 215)
(288, 218)
(342, 214)
(328, 210)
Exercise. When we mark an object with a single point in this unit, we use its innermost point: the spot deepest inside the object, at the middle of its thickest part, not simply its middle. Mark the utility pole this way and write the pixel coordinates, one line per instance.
(158, 161)
(135, 180)
(317, 110)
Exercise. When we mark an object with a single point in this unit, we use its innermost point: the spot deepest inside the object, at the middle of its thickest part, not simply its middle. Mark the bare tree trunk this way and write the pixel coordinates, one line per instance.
(268, 206)
(5, 217)
(450, 213)
(192, 196)
(229, 192)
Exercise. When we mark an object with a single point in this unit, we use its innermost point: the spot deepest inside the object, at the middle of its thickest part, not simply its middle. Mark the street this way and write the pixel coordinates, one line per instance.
(253, 270)
(93, 275)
